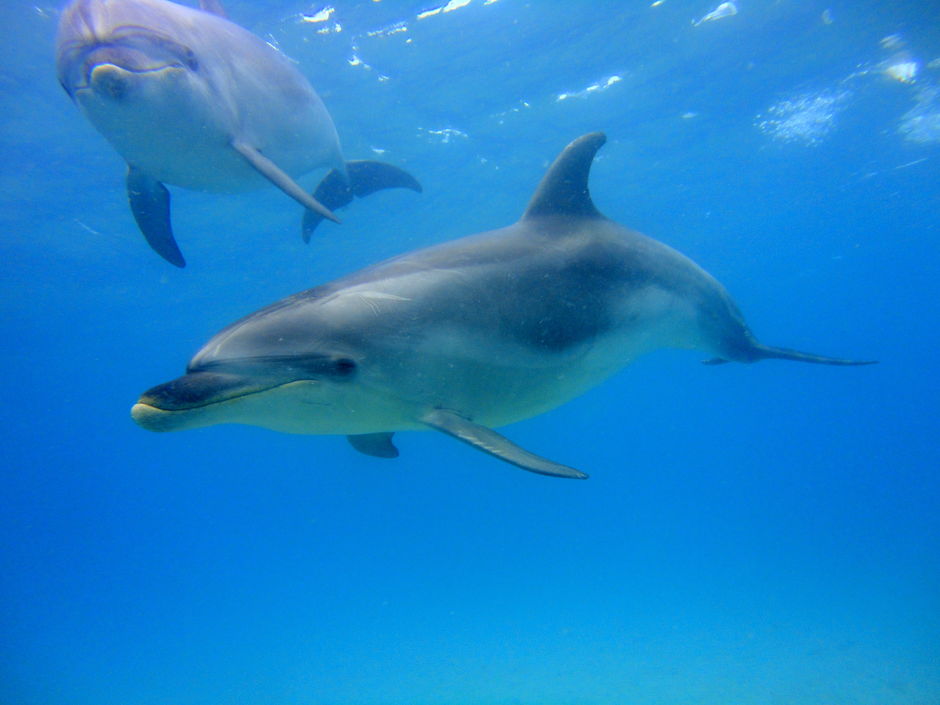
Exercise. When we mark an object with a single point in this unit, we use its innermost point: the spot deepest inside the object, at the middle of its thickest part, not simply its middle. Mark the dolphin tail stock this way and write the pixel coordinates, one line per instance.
(489, 441)
(363, 177)
(150, 204)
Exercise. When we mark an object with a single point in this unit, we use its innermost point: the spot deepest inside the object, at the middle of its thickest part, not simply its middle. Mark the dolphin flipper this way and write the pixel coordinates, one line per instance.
(273, 173)
(746, 349)
(363, 177)
(150, 204)
(767, 352)
(487, 440)
(378, 445)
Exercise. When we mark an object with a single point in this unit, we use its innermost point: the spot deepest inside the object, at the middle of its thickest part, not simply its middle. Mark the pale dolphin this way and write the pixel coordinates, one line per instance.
(467, 335)
(191, 99)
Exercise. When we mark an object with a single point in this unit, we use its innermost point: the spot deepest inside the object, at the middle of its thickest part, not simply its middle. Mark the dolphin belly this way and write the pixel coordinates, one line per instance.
(497, 379)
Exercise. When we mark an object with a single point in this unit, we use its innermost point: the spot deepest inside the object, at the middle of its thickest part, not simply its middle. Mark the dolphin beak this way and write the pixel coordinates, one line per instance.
(109, 80)
(183, 403)
(155, 419)
(114, 82)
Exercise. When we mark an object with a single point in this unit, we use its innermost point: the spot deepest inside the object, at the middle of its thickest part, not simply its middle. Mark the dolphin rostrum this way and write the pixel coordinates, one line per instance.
(467, 335)
(191, 99)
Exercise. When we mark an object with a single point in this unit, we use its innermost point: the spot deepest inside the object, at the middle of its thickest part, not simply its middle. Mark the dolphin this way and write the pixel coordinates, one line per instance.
(467, 335)
(188, 98)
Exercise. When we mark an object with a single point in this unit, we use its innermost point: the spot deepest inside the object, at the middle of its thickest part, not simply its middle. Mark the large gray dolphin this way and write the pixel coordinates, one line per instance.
(191, 99)
(467, 335)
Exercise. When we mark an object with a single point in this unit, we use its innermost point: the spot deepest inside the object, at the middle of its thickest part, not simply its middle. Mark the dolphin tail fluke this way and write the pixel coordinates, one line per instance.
(150, 204)
(487, 440)
(363, 177)
(766, 352)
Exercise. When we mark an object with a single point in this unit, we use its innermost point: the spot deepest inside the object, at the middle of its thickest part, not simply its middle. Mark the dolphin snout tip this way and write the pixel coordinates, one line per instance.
(110, 80)
(118, 82)
(150, 417)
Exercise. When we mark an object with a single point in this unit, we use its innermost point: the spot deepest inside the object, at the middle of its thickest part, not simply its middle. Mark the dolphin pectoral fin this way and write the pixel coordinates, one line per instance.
(766, 352)
(363, 177)
(273, 173)
(150, 204)
(489, 441)
(213, 7)
(378, 445)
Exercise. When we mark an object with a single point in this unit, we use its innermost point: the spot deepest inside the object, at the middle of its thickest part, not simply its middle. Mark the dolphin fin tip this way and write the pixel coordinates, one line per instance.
(213, 7)
(493, 443)
(563, 190)
(378, 445)
(150, 203)
(765, 352)
(715, 361)
(362, 178)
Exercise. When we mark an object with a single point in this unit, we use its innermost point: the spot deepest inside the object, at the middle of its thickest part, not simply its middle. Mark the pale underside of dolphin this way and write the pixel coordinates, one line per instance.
(465, 336)
(190, 99)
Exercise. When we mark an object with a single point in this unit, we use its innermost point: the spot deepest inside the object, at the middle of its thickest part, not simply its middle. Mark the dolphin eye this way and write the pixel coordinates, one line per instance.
(344, 367)
(190, 59)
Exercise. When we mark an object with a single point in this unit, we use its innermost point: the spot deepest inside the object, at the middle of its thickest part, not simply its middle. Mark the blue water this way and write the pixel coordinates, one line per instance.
(750, 535)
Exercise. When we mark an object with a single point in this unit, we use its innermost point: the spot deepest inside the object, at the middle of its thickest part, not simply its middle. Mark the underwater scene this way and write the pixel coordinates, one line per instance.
(353, 352)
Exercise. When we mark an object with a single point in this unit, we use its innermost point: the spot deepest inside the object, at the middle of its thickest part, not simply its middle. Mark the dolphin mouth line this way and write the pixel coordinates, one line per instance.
(194, 407)
(136, 41)
(154, 69)
(86, 84)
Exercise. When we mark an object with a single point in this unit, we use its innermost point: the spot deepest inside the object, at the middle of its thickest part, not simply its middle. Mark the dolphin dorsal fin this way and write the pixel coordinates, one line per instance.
(213, 7)
(564, 188)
